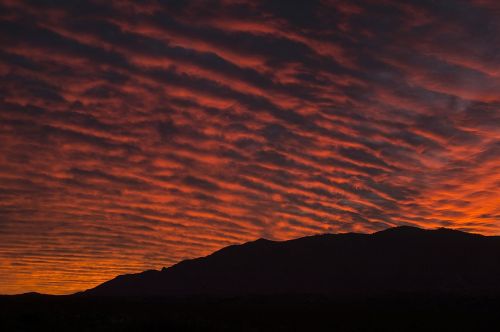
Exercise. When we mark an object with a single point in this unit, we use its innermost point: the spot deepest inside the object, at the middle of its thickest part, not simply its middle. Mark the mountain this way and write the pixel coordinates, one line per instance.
(397, 260)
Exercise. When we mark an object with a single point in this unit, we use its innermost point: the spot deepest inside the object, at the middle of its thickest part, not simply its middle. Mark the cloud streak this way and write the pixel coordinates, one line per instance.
(137, 135)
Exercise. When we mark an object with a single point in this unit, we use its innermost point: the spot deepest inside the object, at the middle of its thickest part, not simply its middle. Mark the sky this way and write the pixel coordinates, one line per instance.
(135, 134)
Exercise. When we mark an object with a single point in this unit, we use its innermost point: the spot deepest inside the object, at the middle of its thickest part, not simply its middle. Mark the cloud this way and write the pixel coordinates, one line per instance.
(135, 135)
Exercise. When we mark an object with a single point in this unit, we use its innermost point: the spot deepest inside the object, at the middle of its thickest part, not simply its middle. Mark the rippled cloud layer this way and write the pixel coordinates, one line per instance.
(137, 134)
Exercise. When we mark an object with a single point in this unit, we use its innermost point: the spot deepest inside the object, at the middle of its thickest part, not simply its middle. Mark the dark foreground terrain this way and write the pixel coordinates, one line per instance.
(438, 280)
(394, 313)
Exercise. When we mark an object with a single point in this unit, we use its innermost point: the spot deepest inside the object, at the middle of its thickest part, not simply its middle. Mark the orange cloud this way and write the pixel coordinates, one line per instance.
(137, 135)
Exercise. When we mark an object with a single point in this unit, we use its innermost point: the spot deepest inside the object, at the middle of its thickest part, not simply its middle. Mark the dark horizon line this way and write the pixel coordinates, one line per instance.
(389, 229)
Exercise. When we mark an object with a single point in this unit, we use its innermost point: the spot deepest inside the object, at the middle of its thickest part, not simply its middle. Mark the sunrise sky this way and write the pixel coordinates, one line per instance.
(137, 134)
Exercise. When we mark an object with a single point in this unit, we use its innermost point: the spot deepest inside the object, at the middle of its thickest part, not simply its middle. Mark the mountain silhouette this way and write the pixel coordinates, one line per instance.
(397, 260)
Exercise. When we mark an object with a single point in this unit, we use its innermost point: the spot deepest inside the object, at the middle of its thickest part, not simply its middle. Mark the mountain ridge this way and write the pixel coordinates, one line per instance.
(399, 259)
